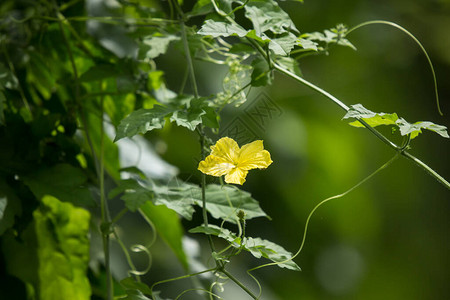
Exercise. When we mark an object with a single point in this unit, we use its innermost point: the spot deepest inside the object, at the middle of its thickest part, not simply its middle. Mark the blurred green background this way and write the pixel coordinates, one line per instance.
(389, 239)
(386, 240)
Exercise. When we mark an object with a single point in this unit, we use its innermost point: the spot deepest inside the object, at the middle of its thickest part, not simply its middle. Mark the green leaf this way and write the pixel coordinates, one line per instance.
(289, 64)
(307, 44)
(142, 121)
(175, 195)
(63, 250)
(416, 128)
(256, 246)
(264, 248)
(221, 232)
(157, 44)
(99, 72)
(216, 29)
(135, 195)
(267, 15)
(189, 119)
(168, 226)
(283, 44)
(358, 111)
(261, 75)
(223, 202)
(62, 181)
(135, 295)
(129, 283)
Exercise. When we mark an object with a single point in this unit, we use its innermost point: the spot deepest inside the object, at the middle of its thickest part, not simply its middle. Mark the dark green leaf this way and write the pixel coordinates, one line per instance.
(142, 121)
(261, 75)
(63, 253)
(2, 107)
(62, 181)
(99, 72)
(10, 207)
(168, 226)
(129, 283)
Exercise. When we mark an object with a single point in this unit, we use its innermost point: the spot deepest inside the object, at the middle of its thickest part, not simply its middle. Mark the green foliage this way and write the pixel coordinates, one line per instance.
(358, 111)
(73, 71)
(256, 246)
(63, 250)
(62, 181)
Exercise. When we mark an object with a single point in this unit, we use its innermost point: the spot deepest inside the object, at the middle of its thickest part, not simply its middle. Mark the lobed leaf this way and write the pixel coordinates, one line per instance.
(358, 111)
(142, 121)
(268, 16)
(223, 202)
(416, 128)
(216, 29)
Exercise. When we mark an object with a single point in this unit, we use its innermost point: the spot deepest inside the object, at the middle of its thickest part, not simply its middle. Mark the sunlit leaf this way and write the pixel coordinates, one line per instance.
(267, 15)
(263, 248)
(142, 121)
(358, 111)
(63, 250)
(157, 44)
(223, 202)
(216, 29)
(221, 232)
(416, 128)
(256, 246)
(284, 44)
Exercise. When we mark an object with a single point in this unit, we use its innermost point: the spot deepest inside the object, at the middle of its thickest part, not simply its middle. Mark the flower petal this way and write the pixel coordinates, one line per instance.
(227, 149)
(215, 166)
(254, 156)
(236, 176)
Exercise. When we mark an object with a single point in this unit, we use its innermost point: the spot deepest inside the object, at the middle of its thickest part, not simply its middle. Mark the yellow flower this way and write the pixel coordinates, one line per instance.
(228, 159)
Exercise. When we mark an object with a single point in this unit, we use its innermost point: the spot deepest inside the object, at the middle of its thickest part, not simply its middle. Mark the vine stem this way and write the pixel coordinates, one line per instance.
(235, 280)
(99, 163)
(201, 129)
(400, 150)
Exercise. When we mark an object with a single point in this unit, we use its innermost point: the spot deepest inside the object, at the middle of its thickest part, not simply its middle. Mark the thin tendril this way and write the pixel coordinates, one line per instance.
(415, 40)
(320, 204)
